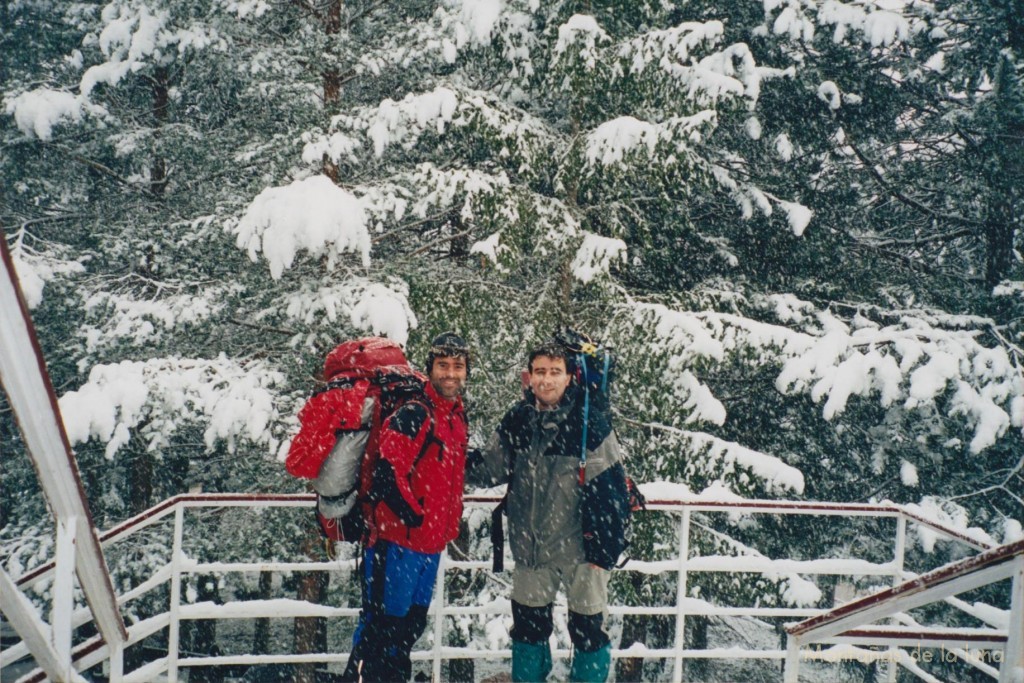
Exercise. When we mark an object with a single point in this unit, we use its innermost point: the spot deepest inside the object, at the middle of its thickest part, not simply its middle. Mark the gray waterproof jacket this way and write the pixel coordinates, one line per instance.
(538, 453)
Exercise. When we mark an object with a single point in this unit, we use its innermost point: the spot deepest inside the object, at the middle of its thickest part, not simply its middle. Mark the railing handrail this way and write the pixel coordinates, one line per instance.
(754, 505)
(936, 577)
(847, 622)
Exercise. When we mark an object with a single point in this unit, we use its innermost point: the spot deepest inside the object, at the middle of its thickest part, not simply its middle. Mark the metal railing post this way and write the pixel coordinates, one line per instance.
(899, 553)
(174, 630)
(116, 663)
(684, 559)
(63, 593)
(440, 598)
(791, 674)
(1012, 668)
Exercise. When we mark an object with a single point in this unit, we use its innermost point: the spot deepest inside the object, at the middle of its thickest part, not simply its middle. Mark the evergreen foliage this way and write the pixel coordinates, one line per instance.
(798, 223)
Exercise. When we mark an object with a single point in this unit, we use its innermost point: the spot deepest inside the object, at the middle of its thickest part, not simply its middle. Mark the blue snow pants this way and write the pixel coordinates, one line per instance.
(397, 586)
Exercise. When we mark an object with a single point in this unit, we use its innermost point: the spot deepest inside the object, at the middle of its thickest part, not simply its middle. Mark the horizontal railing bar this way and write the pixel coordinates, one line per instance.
(231, 567)
(929, 642)
(250, 609)
(706, 564)
(951, 533)
(469, 653)
(283, 608)
(148, 672)
(925, 583)
(236, 660)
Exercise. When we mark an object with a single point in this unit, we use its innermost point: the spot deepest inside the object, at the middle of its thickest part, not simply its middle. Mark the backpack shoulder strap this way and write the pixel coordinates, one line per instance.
(431, 437)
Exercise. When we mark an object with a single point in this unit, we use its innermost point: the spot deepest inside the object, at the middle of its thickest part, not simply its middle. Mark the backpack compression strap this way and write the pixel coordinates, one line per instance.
(586, 404)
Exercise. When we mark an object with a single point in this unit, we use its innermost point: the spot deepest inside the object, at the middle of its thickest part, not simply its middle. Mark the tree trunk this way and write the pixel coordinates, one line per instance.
(161, 102)
(261, 637)
(203, 635)
(634, 630)
(140, 482)
(332, 78)
(310, 632)
(697, 670)
(332, 75)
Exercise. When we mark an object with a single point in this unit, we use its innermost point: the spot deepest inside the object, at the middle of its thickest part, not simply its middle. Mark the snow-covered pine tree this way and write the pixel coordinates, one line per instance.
(774, 213)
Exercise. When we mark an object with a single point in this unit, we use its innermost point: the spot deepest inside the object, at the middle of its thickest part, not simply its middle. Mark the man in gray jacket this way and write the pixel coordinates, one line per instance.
(562, 502)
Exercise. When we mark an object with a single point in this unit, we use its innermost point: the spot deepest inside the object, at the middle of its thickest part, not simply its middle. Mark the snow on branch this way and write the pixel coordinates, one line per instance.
(428, 189)
(878, 27)
(733, 466)
(678, 42)
(595, 256)
(614, 141)
(923, 361)
(917, 362)
(513, 134)
(794, 589)
(36, 112)
(748, 197)
(730, 73)
(578, 40)
(948, 514)
(36, 268)
(134, 36)
(877, 24)
(312, 214)
(121, 317)
(234, 401)
(371, 307)
(515, 220)
(688, 336)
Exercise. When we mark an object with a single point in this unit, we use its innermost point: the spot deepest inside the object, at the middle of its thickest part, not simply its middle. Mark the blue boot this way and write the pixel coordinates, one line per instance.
(591, 667)
(531, 662)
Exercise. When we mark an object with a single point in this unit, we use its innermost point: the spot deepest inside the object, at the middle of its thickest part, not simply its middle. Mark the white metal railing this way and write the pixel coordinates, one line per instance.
(846, 623)
(91, 652)
(27, 384)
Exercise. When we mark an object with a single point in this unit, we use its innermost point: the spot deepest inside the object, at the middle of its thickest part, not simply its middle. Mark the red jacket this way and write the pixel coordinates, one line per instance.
(419, 475)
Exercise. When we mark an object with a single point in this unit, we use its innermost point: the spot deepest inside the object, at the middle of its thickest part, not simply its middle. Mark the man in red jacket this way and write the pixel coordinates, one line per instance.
(417, 490)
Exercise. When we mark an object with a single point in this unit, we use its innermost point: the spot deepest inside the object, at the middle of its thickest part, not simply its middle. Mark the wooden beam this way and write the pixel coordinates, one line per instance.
(24, 377)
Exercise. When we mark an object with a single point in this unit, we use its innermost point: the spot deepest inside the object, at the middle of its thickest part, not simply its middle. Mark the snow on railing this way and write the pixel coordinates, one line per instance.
(846, 623)
(94, 651)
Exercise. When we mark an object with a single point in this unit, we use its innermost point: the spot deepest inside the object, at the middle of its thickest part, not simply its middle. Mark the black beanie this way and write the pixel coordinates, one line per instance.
(448, 345)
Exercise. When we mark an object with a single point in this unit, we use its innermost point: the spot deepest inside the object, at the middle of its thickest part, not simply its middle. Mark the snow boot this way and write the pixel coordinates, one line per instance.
(531, 662)
(591, 667)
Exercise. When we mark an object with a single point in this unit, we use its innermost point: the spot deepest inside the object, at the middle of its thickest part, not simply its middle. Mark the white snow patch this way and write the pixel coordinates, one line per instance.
(157, 396)
(908, 473)
(797, 215)
(783, 147)
(36, 112)
(596, 255)
(828, 92)
(312, 214)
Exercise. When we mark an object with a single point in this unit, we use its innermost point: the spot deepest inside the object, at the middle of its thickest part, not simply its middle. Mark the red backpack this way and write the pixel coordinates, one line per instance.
(337, 445)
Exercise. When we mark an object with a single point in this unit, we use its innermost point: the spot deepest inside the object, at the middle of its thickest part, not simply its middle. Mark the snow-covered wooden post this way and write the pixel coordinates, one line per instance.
(439, 601)
(174, 629)
(64, 591)
(1012, 668)
(684, 560)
